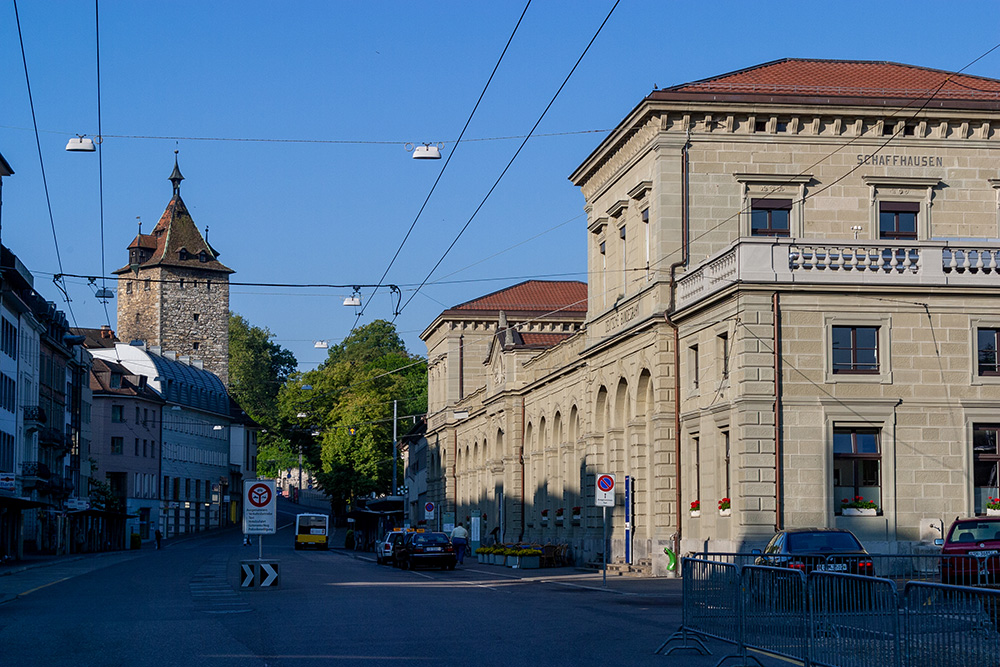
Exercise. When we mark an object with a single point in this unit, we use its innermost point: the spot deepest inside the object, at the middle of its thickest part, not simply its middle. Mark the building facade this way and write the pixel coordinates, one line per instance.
(792, 304)
(129, 416)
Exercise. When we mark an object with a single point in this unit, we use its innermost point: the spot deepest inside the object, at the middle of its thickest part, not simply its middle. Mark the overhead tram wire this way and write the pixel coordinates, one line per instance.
(341, 142)
(514, 157)
(444, 167)
(100, 157)
(41, 164)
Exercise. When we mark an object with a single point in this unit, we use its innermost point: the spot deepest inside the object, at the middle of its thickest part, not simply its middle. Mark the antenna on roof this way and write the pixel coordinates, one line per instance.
(140, 224)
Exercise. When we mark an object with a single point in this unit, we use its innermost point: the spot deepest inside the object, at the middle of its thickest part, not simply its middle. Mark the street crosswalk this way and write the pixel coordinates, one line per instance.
(212, 592)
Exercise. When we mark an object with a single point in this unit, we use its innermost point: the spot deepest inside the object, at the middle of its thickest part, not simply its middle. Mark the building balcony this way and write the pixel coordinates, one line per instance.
(786, 262)
(54, 439)
(34, 475)
(34, 417)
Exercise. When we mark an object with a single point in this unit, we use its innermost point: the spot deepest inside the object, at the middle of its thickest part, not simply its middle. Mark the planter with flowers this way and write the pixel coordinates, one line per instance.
(525, 559)
(545, 517)
(725, 507)
(577, 515)
(695, 508)
(993, 507)
(858, 507)
(559, 515)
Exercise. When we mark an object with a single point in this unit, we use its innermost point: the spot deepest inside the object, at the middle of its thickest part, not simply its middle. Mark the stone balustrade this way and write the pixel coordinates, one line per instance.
(875, 263)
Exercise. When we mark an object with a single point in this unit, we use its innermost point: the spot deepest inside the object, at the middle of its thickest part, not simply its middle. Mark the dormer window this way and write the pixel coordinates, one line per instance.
(116, 380)
(203, 257)
(183, 254)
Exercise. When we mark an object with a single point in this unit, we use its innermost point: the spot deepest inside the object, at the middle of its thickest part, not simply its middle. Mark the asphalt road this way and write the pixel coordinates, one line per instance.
(184, 605)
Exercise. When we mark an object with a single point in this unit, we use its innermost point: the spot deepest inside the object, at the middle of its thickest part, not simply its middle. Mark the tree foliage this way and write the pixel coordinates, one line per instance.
(258, 367)
(349, 407)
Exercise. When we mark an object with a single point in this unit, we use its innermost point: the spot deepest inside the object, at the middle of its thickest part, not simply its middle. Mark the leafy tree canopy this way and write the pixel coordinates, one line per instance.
(349, 408)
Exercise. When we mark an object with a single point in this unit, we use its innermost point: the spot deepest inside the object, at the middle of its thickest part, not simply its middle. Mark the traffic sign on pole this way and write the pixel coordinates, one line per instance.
(604, 492)
(259, 507)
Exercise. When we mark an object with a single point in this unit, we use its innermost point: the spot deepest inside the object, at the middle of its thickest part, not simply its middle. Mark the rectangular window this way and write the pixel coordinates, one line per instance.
(726, 444)
(770, 217)
(137, 446)
(145, 447)
(693, 361)
(177, 488)
(145, 284)
(724, 354)
(857, 465)
(128, 287)
(187, 489)
(117, 445)
(985, 464)
(152, 448)
(897, 220)
(118, 414)
(137, 414)
(987, 342)
(621, 235)
(855, 350)
(697, 467)
(645, 224)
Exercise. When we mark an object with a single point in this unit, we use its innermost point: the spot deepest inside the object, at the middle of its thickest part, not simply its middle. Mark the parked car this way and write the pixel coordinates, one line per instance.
(970, 552)
(387, 545)
(820, 549)
(425, 549)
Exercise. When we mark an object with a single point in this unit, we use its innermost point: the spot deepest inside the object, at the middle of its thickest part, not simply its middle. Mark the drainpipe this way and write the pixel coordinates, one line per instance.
(454, 470)
(521, 460)
(778, 453)
(673, 325)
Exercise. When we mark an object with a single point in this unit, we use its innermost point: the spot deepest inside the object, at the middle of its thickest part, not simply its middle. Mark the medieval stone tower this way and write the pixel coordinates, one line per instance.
(174, 293)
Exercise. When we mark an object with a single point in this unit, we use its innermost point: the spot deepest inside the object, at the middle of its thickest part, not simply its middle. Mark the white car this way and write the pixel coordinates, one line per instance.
(384, 548)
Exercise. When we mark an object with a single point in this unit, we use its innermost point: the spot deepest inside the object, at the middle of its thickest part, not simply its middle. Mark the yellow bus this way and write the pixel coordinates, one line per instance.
(311, 531)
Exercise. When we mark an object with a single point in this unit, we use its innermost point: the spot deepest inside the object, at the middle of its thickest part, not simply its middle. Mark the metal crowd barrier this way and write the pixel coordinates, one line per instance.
(834, 619)
(951, 626)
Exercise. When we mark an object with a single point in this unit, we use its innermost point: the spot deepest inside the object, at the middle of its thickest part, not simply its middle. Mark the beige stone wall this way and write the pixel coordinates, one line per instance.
(160, 310)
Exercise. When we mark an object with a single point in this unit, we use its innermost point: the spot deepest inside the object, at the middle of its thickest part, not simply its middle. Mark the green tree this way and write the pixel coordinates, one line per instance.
(258, 367)
(350, 406)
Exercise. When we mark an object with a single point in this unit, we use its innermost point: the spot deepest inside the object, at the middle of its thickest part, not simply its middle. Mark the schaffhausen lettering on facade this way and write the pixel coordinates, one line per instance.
(620, 318)
(879, 160)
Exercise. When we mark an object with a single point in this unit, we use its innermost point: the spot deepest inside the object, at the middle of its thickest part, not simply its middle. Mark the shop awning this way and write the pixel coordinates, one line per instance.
(13, 502)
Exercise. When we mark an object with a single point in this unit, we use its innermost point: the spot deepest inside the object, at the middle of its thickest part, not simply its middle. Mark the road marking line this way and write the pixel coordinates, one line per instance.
(38, 588)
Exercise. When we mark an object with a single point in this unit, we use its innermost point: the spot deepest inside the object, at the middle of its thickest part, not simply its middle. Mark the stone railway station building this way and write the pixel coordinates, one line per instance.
(793, 301)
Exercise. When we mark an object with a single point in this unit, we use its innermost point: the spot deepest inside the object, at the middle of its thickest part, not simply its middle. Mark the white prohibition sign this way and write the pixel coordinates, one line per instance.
(259, 495)
(604, 491)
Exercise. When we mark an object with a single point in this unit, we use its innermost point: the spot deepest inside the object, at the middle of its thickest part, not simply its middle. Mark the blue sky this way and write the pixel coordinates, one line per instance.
(359, 80)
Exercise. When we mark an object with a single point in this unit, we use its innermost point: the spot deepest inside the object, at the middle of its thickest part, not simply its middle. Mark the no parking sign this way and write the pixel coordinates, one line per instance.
(429, 511)
(604, 494)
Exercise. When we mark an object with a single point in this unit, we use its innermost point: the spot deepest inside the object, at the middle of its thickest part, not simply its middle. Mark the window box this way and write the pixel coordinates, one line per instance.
(695, 514)
(992, 512)
(726, 512)
(856, 511)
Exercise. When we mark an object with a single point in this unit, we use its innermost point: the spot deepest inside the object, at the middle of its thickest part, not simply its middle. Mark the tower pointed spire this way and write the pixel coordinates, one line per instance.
(176, 177)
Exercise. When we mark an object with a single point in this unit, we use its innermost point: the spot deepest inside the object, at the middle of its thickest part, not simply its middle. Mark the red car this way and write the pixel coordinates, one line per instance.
(970, 552)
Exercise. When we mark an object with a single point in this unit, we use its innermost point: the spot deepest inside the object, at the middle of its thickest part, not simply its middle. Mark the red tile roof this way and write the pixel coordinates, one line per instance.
(174, 232)
(534, 296)
(876, 80)
(544, 340)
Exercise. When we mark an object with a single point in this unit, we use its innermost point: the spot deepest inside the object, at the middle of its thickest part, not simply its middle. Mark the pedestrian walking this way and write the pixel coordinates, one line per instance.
(159, 537)
(460, 538)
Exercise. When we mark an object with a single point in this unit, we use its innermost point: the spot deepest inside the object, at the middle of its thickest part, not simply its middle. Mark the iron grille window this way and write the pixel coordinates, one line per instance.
(855, 350)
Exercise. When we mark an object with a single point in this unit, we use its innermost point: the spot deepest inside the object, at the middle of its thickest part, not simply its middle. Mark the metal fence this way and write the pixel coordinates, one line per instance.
(965, 570)
(835, 619)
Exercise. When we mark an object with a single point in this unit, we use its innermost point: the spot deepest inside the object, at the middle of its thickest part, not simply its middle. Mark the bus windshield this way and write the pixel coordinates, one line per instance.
(311, 524)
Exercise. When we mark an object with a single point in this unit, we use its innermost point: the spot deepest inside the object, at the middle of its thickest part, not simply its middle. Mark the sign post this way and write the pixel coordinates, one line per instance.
(604, 497)
(260, 510)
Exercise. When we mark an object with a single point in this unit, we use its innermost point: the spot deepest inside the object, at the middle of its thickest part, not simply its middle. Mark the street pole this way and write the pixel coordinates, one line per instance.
(395, 486)
(298, 494)
(604, 576)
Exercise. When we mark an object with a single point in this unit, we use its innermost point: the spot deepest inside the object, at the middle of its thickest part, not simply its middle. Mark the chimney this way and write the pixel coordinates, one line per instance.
(107, 333)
